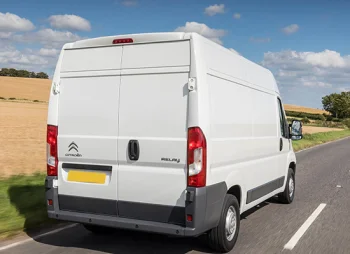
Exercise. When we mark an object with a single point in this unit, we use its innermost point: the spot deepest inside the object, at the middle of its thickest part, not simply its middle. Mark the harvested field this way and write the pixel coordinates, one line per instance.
(25, 88)
(22, 138)
(296, 108)
(315, 129)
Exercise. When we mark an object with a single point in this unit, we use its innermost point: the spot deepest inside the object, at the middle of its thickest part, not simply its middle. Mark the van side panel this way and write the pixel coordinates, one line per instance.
(243, 124)
(243, 140)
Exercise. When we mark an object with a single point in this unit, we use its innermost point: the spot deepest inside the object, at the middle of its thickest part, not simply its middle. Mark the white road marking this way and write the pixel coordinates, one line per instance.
(36, 237)
(296, 237)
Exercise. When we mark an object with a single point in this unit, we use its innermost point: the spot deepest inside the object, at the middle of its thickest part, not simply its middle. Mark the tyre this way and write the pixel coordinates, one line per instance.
(287, 196)
(98, 230)
(223, 238)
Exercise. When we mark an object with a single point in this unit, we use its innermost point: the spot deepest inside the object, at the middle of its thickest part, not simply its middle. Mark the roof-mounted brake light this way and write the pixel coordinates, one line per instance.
(125, 40)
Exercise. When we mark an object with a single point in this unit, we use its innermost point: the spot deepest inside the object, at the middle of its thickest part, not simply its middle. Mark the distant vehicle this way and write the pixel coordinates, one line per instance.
(168, 133)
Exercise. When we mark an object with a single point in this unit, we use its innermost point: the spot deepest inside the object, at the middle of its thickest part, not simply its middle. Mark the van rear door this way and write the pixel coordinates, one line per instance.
(153, 131)
(88, 130)
(122, 130)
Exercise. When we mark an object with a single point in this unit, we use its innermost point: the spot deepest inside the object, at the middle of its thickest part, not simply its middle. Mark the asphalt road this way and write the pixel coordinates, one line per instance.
(265, 229)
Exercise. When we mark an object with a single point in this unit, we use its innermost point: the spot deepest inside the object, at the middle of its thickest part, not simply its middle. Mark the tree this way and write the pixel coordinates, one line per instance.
(22, 73)
(337, 104)
(13, 72)
(42, 75)
(4, 72)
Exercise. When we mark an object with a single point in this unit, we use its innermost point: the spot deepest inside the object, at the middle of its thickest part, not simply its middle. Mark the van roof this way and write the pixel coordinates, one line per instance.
(155, 37)
(137, 38)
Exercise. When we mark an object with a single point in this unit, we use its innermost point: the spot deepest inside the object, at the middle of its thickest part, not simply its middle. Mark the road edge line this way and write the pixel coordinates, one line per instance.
(6, 247)
(326, 143)
(301, 231)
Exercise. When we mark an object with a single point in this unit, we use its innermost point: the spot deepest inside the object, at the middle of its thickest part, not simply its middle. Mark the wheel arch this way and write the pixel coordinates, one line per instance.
(293, 166)
(236, 191)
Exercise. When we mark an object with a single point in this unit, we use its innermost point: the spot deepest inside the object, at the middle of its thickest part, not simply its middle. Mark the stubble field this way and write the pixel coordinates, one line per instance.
(22, 138)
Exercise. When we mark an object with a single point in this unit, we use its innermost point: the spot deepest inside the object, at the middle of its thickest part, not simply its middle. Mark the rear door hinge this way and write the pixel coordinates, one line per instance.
(192, 84)
(56, 88)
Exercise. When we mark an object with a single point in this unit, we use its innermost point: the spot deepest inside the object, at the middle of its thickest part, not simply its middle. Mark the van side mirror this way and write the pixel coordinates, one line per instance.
(296, 132)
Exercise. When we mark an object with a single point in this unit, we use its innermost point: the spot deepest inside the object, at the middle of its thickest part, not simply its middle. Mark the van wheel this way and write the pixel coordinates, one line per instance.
(224, 236)
(98, 230)
(287, 196)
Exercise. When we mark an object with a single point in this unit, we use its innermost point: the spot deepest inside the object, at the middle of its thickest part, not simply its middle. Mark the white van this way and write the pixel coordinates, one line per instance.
(165, 132)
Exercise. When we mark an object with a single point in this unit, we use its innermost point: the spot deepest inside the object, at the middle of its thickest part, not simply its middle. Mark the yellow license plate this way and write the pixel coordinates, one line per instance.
(86, 177)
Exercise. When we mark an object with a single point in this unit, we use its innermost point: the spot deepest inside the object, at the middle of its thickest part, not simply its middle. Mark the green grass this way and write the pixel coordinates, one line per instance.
(310, 140)
(22, 204)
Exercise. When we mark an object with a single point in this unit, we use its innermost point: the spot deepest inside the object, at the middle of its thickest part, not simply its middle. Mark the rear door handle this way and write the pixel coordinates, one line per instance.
(281, 144)
(134, 150)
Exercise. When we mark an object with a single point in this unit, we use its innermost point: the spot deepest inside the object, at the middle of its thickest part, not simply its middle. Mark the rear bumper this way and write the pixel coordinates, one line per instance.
(124, 223)
(204, 204)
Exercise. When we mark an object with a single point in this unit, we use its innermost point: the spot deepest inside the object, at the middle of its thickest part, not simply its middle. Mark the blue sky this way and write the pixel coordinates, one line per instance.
(306, 45)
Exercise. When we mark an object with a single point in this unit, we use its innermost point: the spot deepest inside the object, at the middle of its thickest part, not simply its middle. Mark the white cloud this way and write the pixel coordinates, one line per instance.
(5, 35)
(48, 52)
(48, 37)
(343, 89)
(260, 40)
(11, 57)
(305, 77)
(291, 29)
(12, 23)
(311, 69)
(28, 59)
(237, 16)
(215, 9)
(69, 22)
(203, 29)
(326, 59)
(234, 51)
(129, 3)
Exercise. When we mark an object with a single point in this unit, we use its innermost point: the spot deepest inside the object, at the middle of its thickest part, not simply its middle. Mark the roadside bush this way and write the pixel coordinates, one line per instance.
(12, 98)
(36, 101)
(329, 118)
(322, 118)
(2, 98)
(330, 124)
(305, 120)
(319, 123)
(303, 114)
(346, 122)
(290, 119)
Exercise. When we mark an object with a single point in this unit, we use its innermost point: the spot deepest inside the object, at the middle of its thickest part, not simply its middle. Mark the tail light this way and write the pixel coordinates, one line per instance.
(196, 158)
(52, 158)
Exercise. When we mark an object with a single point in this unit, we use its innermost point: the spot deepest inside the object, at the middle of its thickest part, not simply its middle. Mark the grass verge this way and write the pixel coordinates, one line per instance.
(22, 204)
(310, 140)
